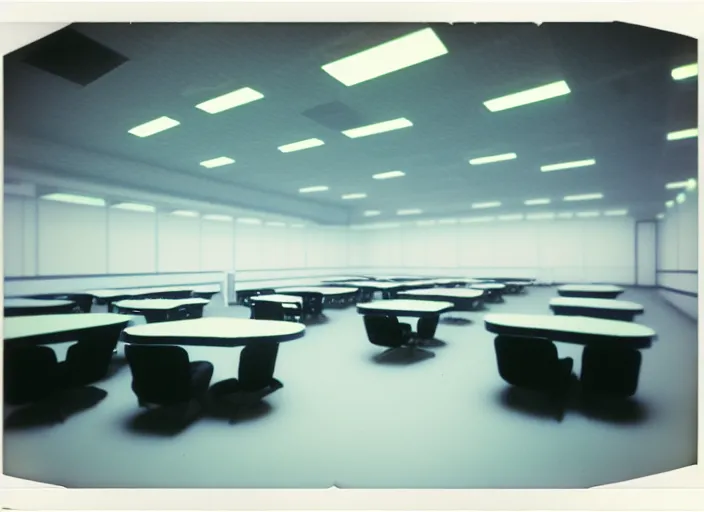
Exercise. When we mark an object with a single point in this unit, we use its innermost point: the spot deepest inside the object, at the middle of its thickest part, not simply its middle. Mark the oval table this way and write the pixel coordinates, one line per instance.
(32, 307)
(516, 287)
(611, 346)
(326, 294)
(590, 291)
(162, 310)
(427, 311)
(464, 299)
(492, 291)
(110, 296)
(597, 308)
(46, 329)
(84, 301)
(259, 336)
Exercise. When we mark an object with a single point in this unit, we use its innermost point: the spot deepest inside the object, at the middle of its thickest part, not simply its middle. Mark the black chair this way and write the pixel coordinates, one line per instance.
(612, 372)
(163, 375)
(387, 331)
(255, 378)
(266, 310)
(32, 374)
(533, 363)
(88, 361)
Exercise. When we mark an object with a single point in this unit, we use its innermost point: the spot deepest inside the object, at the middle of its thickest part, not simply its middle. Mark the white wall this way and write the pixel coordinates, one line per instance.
(646, 253)
(571, 250)
(678, 238)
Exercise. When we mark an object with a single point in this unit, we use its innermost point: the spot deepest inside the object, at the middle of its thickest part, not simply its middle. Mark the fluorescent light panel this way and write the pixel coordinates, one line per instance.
(75, 199)
(529, 96)
(134, 207)
(217, 162)
(409, 211)
(567, 165)
(683, 134)
(684, 72)
(584, 197)
(676, 184)
(536, 202)
(516, 216)
(476, 219)
(681, 197)
(669, 204)
(540, 216)
(354, 196)
(184, 213)
(307, 190)
(615, 213)
(691, 184)
(565, 215)
(492, 159)
(388, 175)
(276, 224)
(300, 145)
(155, 126)
(491, 204)
(248, 220)
(374, 129)
(218, 217)
(297, 226)
(372, 213)
(447, 221)
(587, 214)
(660, 216)
(230, 100)
(386, 58)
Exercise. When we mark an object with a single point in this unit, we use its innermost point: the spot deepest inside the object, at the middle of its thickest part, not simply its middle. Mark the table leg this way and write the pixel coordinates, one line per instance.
(427, 326)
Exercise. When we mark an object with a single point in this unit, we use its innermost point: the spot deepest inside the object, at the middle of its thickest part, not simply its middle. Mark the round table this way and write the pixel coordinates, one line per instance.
(492, 291)
(592, 291)
(427, 311)
(464, 299)
(597, 308)
(46, 329)
(27, 307)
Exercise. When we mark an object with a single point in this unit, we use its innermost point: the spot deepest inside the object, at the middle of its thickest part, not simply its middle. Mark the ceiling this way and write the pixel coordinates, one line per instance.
(622, 103)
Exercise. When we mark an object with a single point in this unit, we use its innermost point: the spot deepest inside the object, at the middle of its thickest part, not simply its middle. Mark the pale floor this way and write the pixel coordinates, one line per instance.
(345, 419)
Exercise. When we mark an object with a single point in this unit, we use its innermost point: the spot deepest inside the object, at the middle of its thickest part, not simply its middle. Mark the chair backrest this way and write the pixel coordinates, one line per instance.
(30, 373)
(610, 371)
(88, 361)
(525, 361)
(384, 331)
(265, 310)
(160, 373)
(257, 364)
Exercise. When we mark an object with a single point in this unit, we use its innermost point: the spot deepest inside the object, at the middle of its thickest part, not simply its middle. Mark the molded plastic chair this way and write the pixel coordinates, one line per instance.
(265, 310)
(387, 331)
(610, 371)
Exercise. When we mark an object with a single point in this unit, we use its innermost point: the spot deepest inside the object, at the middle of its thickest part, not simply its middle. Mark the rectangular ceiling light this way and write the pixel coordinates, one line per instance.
(492, 159)
(134, 207)
(300, 145)
(584, 197)
(565, 215)
(684, 72)
(217, 162)
(680, 198)
(536, 202)
(372, 213)
(660, 216)
(307, 190)
(400, 53)
(75, 199)
(683, 134)
(246, 220)
(676, 184)
(155, 126)
(409, 211)
(388, 175)
(426, 223)
(516, 216)
(540, 216)
(587, 214)
(535, 95)
(373, 129)
(218, 217)
(184, 213)
(476, 219)
(691, 184)
(491, 204)
(354, 196)
(669, 204)
(567, 165)
(447, 221)
(615, 213)
(230, 100)
(276, 224)
(297, 226)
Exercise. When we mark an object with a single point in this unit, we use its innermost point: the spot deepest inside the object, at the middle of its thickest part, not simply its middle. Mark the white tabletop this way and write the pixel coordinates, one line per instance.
(214, 331)
(278, 298)
(19, 327)
(325, 290)
(35, 303)
(518, 283)
(598, 288)
(488, 286)
(159, 304)
(459, 293)
(574, 329)
(405, 307)
(117, 292)
(613, 304)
